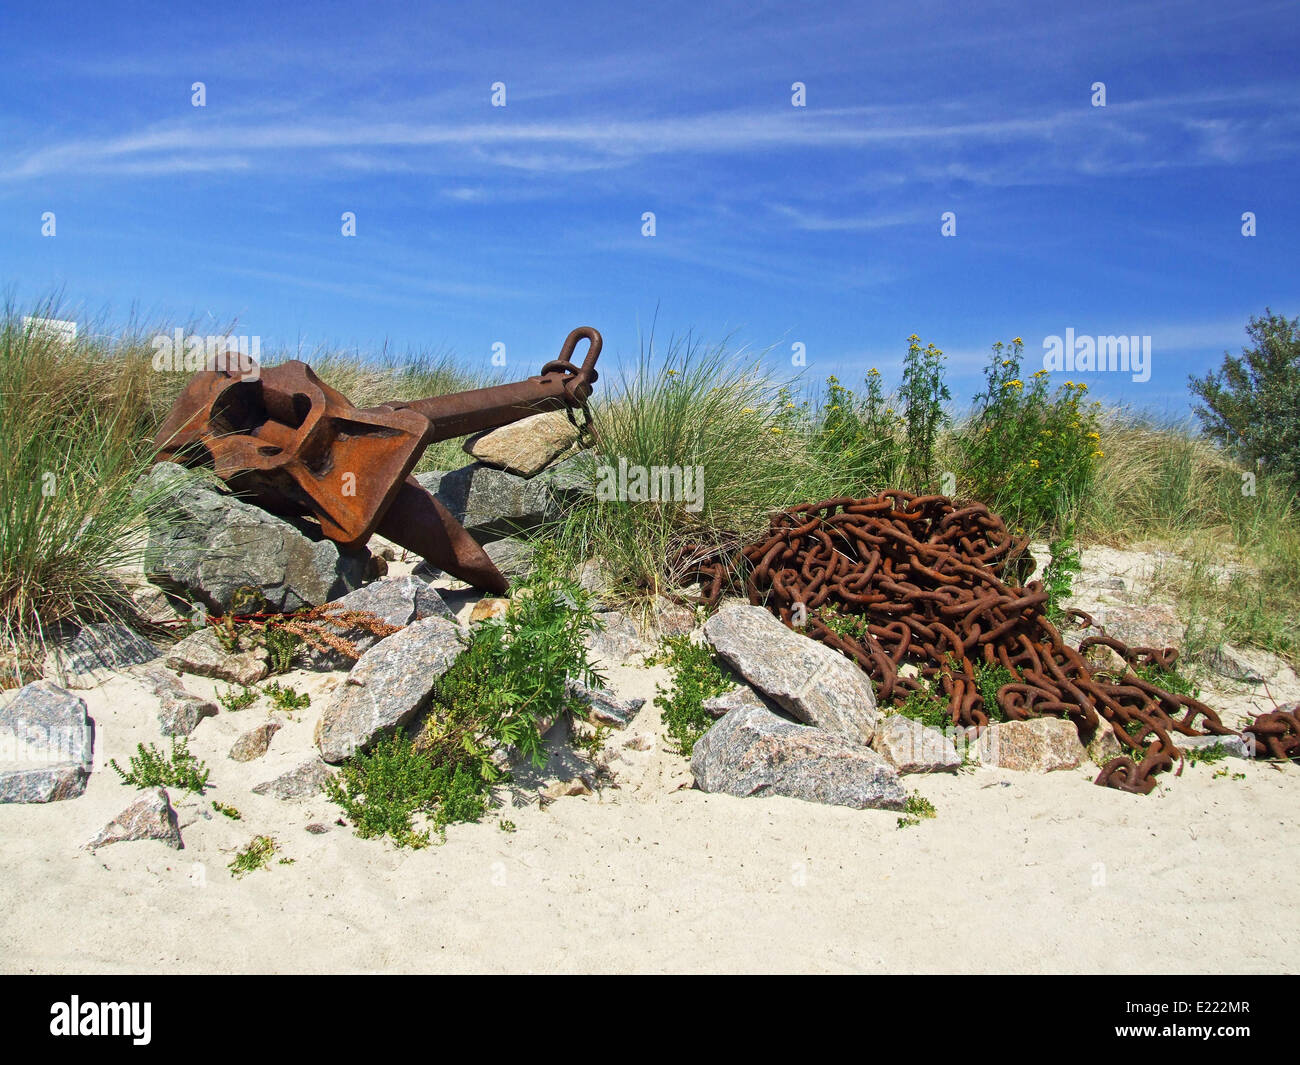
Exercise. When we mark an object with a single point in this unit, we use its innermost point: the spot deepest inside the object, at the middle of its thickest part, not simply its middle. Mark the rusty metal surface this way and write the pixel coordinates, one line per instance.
(293, 445)
(931, 584)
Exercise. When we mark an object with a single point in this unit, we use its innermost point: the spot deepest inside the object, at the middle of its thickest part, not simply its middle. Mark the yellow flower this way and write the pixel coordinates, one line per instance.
(747, 410)
(1006, 362)
(914, 337)
(776, 428)
(672, 373)
(1098, 454)
(1017, 341)
(1040, 373)
(1094, 436)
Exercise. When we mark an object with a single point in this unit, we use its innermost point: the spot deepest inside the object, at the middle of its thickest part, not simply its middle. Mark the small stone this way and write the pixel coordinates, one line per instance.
(603, 706)
(740, 697)
(1104, 744)
(302, 782)
(1232, 663)
(754, 752)
(97, 651)
(525, 447)
(562, 788)
(638, 742)
(617, 641)
(179, 709)
(1233, 746)
(317, 829)
(911, 747)
(254, 743)
(150, 817)
(487, 609)
(46, 745)
(673, 619)
(1039, 745)
(202, 654)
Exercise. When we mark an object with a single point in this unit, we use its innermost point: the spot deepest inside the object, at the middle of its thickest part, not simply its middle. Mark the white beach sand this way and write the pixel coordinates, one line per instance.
(1018, 872)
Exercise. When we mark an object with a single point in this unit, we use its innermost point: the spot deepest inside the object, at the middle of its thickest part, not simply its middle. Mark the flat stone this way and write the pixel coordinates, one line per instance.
(603, 706)
(807, 679)
(201, 654)
(254, 743)
(752, 752)
(1039, 745)
(394, 600)
(673, 619)
(46, 745)
(215, 548)
(1235, 664)
(525, 447)
(1142, 625)
(741, 697)
(179, 709)
(150, 817)
(911, 747)
(512, 556)
(387, 687)
(301, 782)
(96, 652)
(617, 641)
(562, 788)
(1233, 746)
(488, 609)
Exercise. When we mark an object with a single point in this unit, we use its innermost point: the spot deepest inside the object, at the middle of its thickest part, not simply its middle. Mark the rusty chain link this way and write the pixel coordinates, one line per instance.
(934, 586)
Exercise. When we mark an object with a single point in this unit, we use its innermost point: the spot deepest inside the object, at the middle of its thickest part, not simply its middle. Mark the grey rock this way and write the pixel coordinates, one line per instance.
(179, 709)
(493, 504)
(593, 578)
(46, 745)
(754, 752)
(617, 641)
(603, 706)
(1233, 746)
(97, 651)
(741, 697)
(201, 654)
(387, 687)
(150, 817)
(301, 782)
(806, 679)
(1039, 745)
(673, 619)
(254, 743)
(1142, 625)
(395, 600)
(1228, 661)
(911, 747)
(512, 556)
(214, 545)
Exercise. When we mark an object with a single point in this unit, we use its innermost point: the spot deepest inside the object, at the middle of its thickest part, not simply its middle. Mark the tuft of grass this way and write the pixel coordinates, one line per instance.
(151, 768)
(235, 701)
(254, 855)
(286, 698)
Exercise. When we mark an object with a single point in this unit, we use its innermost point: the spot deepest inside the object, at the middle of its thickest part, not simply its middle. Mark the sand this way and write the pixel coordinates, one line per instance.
(1018, 872)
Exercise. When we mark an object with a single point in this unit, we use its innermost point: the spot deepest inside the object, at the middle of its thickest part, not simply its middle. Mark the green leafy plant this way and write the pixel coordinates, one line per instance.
(1058, 576)
(382, 791)
(227, 811)
(1215, 752)
(286, 698)
(926, 705)
(919, 806)
(234, 700)
(151, 768)
(281, 646)
(697, 676)
(988, 679)
(254, 855)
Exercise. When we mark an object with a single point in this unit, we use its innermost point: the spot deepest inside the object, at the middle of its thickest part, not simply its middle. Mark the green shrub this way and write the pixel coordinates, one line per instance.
(1251, 405)
(697, 676)
(287, 698)
(254, 855)
(151, 768)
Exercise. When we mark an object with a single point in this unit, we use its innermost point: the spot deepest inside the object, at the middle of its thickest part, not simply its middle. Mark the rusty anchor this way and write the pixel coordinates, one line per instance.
(295, 446)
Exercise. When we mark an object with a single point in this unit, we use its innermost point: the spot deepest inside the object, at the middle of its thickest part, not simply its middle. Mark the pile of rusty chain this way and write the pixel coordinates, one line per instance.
(932, 584)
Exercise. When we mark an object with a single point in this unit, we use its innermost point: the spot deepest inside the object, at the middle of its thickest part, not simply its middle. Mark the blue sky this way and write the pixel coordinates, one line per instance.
(775, 224)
